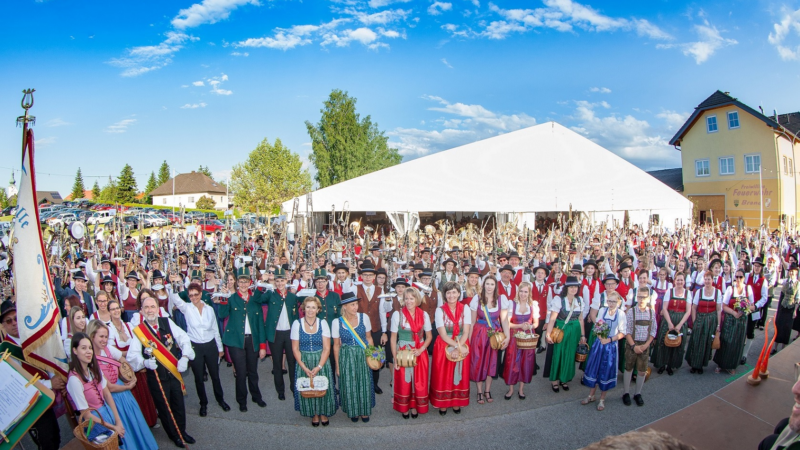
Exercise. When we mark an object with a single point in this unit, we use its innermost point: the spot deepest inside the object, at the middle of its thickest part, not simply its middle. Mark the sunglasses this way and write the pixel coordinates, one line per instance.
(739, 277)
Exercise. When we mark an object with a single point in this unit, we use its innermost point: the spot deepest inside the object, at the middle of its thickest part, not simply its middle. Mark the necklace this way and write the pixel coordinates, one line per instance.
(310, 325)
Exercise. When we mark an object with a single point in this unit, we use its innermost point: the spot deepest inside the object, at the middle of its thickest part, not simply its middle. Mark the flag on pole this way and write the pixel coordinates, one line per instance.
(37, 309)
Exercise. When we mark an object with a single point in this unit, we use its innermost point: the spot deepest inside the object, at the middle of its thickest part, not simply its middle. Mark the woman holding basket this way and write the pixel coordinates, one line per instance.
(450, 374)
(311, 345)
(411, 334)
(520, 366)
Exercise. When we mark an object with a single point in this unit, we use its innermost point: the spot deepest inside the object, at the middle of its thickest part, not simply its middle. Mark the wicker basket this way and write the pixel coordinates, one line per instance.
(557, 335)
(527, 341)
(112, 443)
(672, 339)
(126, 372)
(405, 358)
(582, 353)
(374, 363)
(313, 393)
(449, 354)
(496, 340)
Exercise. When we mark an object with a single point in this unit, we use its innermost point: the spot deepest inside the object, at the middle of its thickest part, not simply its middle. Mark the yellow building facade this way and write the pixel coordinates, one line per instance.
(739, 163)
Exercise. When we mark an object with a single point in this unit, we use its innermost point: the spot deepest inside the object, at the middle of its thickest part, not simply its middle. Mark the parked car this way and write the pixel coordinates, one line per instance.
(131, 221)
(210, 226)
(61, 218)
(173, 218)
(101, 217)
(151, 220)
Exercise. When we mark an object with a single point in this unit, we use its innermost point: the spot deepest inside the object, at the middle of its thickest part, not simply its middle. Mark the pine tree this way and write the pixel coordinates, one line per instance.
(205, 171)
(78, 187)
(151, 186)
(164, 174)
(95, 191)
(126, 185)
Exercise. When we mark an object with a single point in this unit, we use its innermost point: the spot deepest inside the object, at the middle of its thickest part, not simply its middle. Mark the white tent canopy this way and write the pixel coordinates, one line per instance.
(543, 168)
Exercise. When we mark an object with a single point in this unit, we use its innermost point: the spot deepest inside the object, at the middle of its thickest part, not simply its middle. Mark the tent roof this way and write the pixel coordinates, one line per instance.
(546, 167)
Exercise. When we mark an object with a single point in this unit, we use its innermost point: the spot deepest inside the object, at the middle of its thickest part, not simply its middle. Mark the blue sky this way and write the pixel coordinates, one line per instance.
(197, 83)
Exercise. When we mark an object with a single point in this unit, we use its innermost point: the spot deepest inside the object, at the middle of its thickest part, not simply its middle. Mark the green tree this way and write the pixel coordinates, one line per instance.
(205, 171)
(164, 173)
(109, 193)
(95, 190)
(344, 146)
(151, 186)
(77, 186)
(205, 203)
(126, 185)
(271, 175)
(3, 199)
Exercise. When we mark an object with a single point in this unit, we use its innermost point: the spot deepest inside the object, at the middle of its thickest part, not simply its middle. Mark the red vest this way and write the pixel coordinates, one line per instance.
(677, 304)
(756, 286)
(501, 290)
(594, 287)
(551, 278)
(540, 297)
(707, 306)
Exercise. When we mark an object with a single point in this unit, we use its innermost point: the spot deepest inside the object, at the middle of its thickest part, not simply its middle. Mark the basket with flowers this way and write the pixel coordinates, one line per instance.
(376, 356)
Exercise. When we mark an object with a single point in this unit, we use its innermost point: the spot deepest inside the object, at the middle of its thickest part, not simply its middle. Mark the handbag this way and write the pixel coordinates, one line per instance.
(557, 334)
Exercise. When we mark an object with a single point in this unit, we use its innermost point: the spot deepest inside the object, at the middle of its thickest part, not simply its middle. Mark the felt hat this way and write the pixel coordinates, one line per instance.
(348, 297)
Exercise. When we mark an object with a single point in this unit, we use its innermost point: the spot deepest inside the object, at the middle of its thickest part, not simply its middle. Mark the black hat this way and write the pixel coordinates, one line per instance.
(426, 273)
(793, 266)
(380, 271)
(513, 255)
(759, 261)
(541, 267)
(426, 249)
(158, 274)
(454, 249)
(590, 262)
(419, 266)
(450, 260)
(348, 297)
(624, 266)
(507, 267)
(375, 248)
(577, 268)
(79, 275)
(211, 268)
(473, 271)
(610, 277)
(107, 279)
(131, 274)
(401, 282)
(502, 256)
(572, 281)
(367, 267)
(105, 259)
(341, 266)
(7, 307)
(714, 261)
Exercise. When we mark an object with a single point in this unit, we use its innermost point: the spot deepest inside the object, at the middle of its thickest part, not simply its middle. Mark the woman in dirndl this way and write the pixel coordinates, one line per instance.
(566, 313)
(520, 365)
(311, 345)
(472, 287)
(675, 313)
(660, 288)
(138, 435)
(737, 301)
(790, 298)
(411, 331)
(450, 380)
(490, 315)
(706, 312)
(601, 365)
(351, 335)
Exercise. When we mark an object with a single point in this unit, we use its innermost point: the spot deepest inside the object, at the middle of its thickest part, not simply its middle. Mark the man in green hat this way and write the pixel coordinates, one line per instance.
(245, 336)
(282, 312)
(330, 300)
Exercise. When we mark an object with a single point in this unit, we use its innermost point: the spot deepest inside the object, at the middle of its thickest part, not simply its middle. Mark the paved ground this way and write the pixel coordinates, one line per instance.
(544, 420)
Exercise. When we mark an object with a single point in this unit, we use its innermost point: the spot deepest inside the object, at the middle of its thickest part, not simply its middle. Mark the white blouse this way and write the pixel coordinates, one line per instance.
(504, 303)
(395, 326)
(75, 389)
(294, 334)
(441, 319)
(335, 325)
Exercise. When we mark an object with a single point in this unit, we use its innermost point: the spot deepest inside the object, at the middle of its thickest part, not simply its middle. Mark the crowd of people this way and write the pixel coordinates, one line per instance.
(571, 304)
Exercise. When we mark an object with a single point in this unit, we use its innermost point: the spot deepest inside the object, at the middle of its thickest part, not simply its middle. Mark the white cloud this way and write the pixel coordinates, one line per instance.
(44, 142)
(437, 8)
(464, 123)
(143, 59)
(245, 54)
(602, 90)
(198, 83)
(673, 119)
(444, 61)
(560, 15)
(121, 126)
(193, 105)
(215, 83)
(633, 139)
(58, 122)
(281, 41)
(382, 3)
(209, 11)
(790, 22)
(710, 41)
(379, 18)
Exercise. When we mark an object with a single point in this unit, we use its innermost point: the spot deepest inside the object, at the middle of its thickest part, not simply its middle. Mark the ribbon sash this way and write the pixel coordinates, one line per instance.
(416, 324)
(162, 353)
(489, 320)
(455, 320)
(353, 332)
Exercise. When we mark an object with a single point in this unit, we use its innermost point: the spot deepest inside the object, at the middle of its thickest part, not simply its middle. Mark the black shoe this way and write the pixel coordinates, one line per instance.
(243, 408)
(406, 416)
(540, 350)
(773, 352)
(414, 416)
(179, 444)
(281, 396)
(442, 412)
(365, 419)
(326, 423)
(203, 411)
(314, 424)
(230, 364)
(743, 361)
(564, 386)
(669, 371)
(508, 396)
(700, 371)
(261, 403)
(638, 399)
(224, 406)
(285, 371)
(457, 411)
(354, 419)
(378, 390)
(661, 369)
(188, 439)
(626, 399)
(693, 370)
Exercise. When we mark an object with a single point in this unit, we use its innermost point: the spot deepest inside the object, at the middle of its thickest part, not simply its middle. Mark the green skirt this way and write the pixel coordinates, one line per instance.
(562, 368)
(731, 343)
(355, 382)
(590, 341)
(698, 353)
(310, 407)
(669, 356)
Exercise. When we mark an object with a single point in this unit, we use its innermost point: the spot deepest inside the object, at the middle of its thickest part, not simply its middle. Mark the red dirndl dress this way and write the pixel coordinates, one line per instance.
(449, 380)
(411, 384)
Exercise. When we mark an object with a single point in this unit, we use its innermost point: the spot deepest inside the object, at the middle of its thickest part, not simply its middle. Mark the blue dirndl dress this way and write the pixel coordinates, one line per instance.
(601, 365)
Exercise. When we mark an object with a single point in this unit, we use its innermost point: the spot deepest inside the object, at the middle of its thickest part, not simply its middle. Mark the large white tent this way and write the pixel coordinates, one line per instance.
(544, 168)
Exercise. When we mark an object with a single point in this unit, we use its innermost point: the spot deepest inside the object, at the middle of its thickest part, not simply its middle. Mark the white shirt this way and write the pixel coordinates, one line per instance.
(554, 305)
(523, 309)
(295, 333)
(335, 325)
(283, 320)
(384, 309)
(621, 324)
(136, 359)
(75, 389)
(504, 303)
(699, 292)
(441, 319)
(136, 318)
(395, 326)
(733, 291)
(201, 327)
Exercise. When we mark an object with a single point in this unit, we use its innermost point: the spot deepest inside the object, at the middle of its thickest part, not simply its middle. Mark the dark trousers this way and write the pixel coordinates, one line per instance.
(282, 343)
(45, 432)
(172, 390)
(376, 339)
(245, 363)
(764, 311)
(206, 357)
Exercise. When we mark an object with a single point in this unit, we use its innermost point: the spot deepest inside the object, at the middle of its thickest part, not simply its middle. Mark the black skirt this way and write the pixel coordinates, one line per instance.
(784, 321)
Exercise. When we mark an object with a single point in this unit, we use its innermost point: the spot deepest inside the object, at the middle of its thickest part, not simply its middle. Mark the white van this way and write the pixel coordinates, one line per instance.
(101, 217)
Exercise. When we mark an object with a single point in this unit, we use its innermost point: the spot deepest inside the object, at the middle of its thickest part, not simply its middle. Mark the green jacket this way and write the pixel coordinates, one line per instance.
(331, 306)
(234, 310)
(276, 303)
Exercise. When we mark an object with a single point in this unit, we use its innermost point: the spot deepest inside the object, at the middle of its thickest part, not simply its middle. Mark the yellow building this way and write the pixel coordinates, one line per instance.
(738, 162)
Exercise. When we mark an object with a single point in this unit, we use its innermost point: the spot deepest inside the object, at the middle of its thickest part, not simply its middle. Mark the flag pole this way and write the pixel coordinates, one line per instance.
(26, 119)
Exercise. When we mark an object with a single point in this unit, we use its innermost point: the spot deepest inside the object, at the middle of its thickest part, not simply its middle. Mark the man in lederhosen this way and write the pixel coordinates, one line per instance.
(369, 303)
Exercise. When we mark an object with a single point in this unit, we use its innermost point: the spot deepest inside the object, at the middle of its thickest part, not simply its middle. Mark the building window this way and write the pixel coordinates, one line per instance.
(701, 168)
(752, 163)
(711, 124)
(733, 120)
(191, 199)
(726, 166)
(165, 200)
(785, 166)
